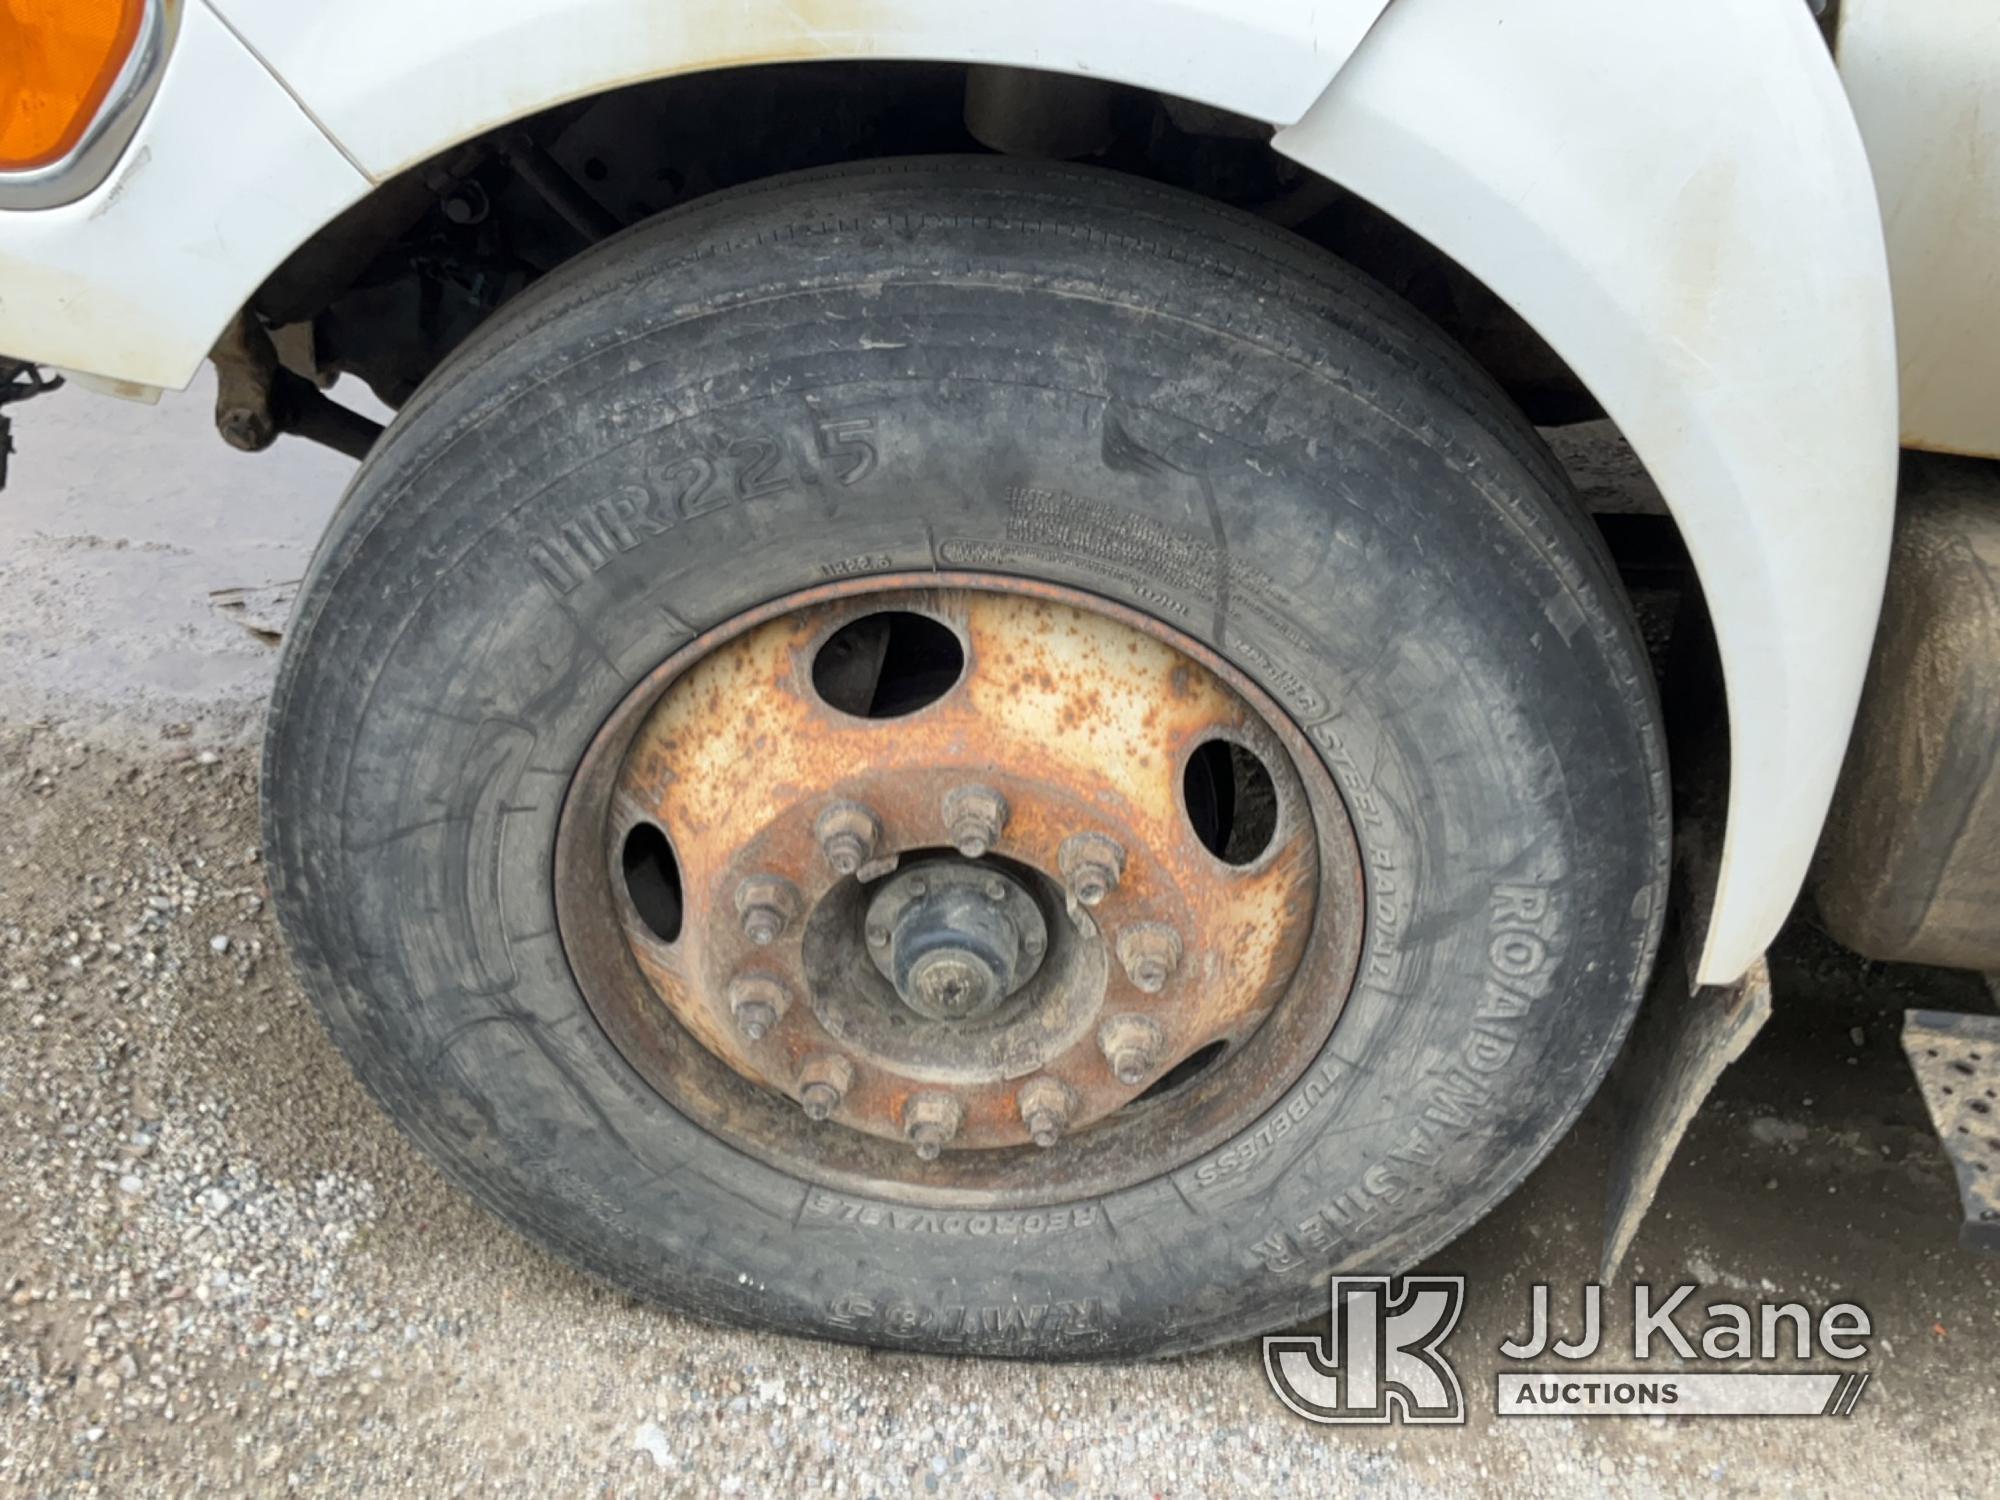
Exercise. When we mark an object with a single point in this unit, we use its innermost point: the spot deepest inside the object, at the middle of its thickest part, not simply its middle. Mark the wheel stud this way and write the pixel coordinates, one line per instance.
(930, 1120)
(1132, 1045)
(1150, 952)
(1046, 1105)
(974, 816)
(847, 833)
(1091, 865)
(757, 1001)
(823, 1083)
(767, 904)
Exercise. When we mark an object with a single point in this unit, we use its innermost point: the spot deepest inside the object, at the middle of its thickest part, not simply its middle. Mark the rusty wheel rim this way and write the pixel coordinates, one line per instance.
(956, 921)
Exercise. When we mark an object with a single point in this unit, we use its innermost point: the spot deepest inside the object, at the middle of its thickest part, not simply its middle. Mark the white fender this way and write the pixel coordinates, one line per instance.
(228, 174)
(225, 176)
(1675, 197)
(395, 81)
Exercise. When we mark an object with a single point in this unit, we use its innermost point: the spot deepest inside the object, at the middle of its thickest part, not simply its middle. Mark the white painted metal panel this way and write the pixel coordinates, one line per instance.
(395, 81)
(1675, 197)
(1925, 84)
(224, 178)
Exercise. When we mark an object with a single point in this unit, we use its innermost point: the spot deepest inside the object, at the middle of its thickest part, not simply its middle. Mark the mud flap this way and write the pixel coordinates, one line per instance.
(1677, 1051)
(1957, 1062)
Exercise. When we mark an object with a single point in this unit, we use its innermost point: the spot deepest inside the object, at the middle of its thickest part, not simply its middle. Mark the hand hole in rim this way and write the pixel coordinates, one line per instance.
(1232, 801)
(888, 664)
(653, 880)
(1186, 1070)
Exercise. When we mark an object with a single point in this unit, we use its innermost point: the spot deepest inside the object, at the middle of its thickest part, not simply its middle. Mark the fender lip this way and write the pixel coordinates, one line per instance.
(85, 165)
(396, 84)
(133, 277)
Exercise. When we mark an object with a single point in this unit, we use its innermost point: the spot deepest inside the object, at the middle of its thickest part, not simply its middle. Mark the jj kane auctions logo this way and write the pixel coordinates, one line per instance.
(1382, 1357)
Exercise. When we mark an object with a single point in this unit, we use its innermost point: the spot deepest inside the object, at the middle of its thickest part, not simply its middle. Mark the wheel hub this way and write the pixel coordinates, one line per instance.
(955, 938)
(965, 900)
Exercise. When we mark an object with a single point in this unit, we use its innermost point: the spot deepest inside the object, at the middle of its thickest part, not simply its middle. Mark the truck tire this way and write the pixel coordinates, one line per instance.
(969, 756)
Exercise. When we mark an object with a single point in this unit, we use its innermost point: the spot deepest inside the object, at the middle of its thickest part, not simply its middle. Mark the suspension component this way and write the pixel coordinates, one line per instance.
(19, 381)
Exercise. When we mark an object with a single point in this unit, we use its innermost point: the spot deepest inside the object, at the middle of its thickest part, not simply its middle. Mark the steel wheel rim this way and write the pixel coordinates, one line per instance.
(677, 755)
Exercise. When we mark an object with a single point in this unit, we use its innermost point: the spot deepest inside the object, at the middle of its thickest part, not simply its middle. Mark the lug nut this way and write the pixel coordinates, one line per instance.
(767, 904)
(847, 834)
(974, 816)
(929, 1120)
(1132, 1045)
(758, 1001)
(1046, 1105)
(1091, 865)
(823, 1083)
(1150, 952)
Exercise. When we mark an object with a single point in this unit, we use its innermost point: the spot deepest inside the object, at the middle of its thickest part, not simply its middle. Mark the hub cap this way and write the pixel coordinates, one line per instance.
(955, 938)
(967, 884)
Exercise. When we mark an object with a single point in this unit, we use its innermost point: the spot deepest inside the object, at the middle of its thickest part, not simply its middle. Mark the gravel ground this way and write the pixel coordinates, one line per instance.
(226, 1273)
(223, 1272)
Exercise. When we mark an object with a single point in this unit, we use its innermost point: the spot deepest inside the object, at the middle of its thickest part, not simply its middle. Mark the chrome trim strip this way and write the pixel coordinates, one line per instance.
(91, 159)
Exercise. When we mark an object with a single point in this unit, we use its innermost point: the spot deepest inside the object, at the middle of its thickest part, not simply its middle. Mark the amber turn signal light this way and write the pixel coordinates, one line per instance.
(58, 61)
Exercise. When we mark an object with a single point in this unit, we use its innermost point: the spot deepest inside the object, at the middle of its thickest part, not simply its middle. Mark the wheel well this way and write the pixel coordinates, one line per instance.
(387, 290)
(391, 286)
